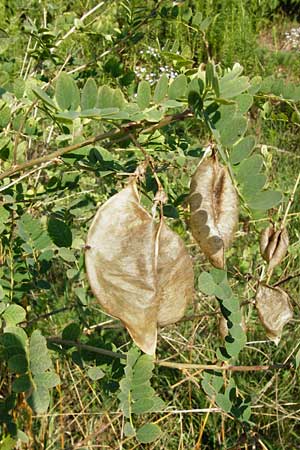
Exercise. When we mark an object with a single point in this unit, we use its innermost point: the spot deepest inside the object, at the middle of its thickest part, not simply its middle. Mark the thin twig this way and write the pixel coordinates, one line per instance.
(284, 280)
(74, 28)
(27, 174)
(291, 200)
(171, 365)
(88, 348)
(46, 315)
(182, 366)
(114, 134)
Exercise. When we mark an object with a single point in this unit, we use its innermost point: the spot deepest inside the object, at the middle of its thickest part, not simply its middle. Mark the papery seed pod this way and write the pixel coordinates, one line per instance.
(139, 270)
(120, 265)
(274, 245)
(175, 277)
(274, 310)
(214, 210)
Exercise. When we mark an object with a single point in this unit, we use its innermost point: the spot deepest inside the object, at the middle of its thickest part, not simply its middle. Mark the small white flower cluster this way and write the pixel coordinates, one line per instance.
(293, 38)
(153, 77)
(150, 51)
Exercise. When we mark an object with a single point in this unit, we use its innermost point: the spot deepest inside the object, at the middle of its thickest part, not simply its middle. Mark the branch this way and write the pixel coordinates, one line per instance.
(182, 366)
(171, 365)
(125, 131)
(89, 348)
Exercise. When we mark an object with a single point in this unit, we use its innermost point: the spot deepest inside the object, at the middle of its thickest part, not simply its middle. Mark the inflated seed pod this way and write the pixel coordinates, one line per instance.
(175, 277)
(274, 245)
(214, 209)
(139, 270)
(274, 310)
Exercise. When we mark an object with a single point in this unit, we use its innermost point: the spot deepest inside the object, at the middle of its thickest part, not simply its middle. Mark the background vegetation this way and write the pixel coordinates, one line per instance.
(46, 209)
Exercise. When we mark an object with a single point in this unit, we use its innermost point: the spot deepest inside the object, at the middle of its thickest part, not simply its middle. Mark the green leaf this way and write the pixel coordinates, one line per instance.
(105, 97)
(132, 356)
(118, 100)
(178, 87)
(110, 98)
(154, 115)
(43, 96)
(47, 379)
(205, 23)
(249, 168)
(142, 406)
(59, 232)
(14, 314)
(5, 116)
(233, 348)
(232, 305)
(142, 391)
(8, 443)
(217, 381)
(18, 363)
(95, 373)
(232, 88)
(212, 383)
(81, 294)
(253, 184)
(223, 291)
(67, 94)
(219, 275)
(158, 404)
(67, 116)
(242, 149)
(208, 388)
(71, 331)
(143, 369)
(206, 283)
(143, 94)
(231, 129)
(244, 102)
(148, 433)
(265, 200)
(255, 85)
(39, 399)
(14, 341)
(39, 354)
(21, 384)
(223, 402)
(161, 89)
(67, 254)
(32, 232)
(129, 431)
(89, 94)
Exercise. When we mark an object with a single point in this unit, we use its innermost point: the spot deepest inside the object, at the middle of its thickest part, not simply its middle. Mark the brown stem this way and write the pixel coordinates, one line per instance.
(284, 280)
(182, 366)
(171, 365)
(125, 131)
(89, 348)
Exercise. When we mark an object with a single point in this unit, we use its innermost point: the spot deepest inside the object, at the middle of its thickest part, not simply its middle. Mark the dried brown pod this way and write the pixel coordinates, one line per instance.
(274, 310)
(139, 271)
(214, 209)
(274, 245)
(175, 277)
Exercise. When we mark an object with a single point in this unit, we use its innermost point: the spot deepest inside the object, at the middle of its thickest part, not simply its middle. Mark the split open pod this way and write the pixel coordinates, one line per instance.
(138, 268)
(274, 310)
(214, 210)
